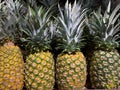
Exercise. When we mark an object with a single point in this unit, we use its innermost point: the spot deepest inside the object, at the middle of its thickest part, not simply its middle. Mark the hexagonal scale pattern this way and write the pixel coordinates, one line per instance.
(11, 68)
(104, 69)
(39, 71)
(71, 71)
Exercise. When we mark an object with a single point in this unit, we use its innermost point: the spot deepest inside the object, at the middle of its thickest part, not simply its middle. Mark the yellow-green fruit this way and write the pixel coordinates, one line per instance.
(11, 68)
(71, 71)
(104, 69)
(39, 71)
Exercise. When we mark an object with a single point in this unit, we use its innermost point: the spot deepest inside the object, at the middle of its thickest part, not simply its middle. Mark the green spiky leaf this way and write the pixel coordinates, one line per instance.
(10, 16)
(70, 27)
(105, 27)
(37, 29)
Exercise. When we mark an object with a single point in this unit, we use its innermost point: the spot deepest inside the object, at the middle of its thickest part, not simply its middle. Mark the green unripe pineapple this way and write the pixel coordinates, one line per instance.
(104, 67)
(105, 60)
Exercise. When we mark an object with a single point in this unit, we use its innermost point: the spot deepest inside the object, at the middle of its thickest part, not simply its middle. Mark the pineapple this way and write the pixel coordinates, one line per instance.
(105, 60)
(39, 67)
(70, 63)
(11, 58)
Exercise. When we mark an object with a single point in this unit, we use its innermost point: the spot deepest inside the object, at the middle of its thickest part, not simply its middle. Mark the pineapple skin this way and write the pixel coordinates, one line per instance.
(11, 68)
(39, 71)
(105, 69)
(71, 71)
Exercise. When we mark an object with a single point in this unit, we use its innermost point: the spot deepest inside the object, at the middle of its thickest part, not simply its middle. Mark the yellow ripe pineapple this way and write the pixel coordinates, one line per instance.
(11, 67)
(11, 58)
(39, 66)
(71, 63)
(105, 60)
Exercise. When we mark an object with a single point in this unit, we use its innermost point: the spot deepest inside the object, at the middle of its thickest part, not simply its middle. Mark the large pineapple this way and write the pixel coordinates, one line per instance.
(11, 59)
(105, 60)
(71, 63)
(39, 66)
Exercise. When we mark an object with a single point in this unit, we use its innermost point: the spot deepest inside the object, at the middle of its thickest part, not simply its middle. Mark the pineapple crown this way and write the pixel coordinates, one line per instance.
(105, 28)
(10, 12)
(51, 4)
(70, 27)
(37, 29)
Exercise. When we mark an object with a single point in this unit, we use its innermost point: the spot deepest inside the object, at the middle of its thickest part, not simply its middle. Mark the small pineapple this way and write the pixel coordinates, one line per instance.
(71, 63)
(39, 66)
(11, 58)
(105, 61)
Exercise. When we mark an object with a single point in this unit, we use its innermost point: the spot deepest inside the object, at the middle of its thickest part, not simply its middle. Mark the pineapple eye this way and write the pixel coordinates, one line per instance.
(47, 77)
(45, 69)
(35, 72)
(44, 82)
(77, 62)
(72, 65)
(41, 75)
(39, 67)
(43, 62)
(37, 79)
(7, 65)
(30, 69)
(38, 60)
(77, 69)
(11, 62)
(12, 73)
(34, 64)
(32, 76)
(12, 79)
(34, 85)
(6, 76)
